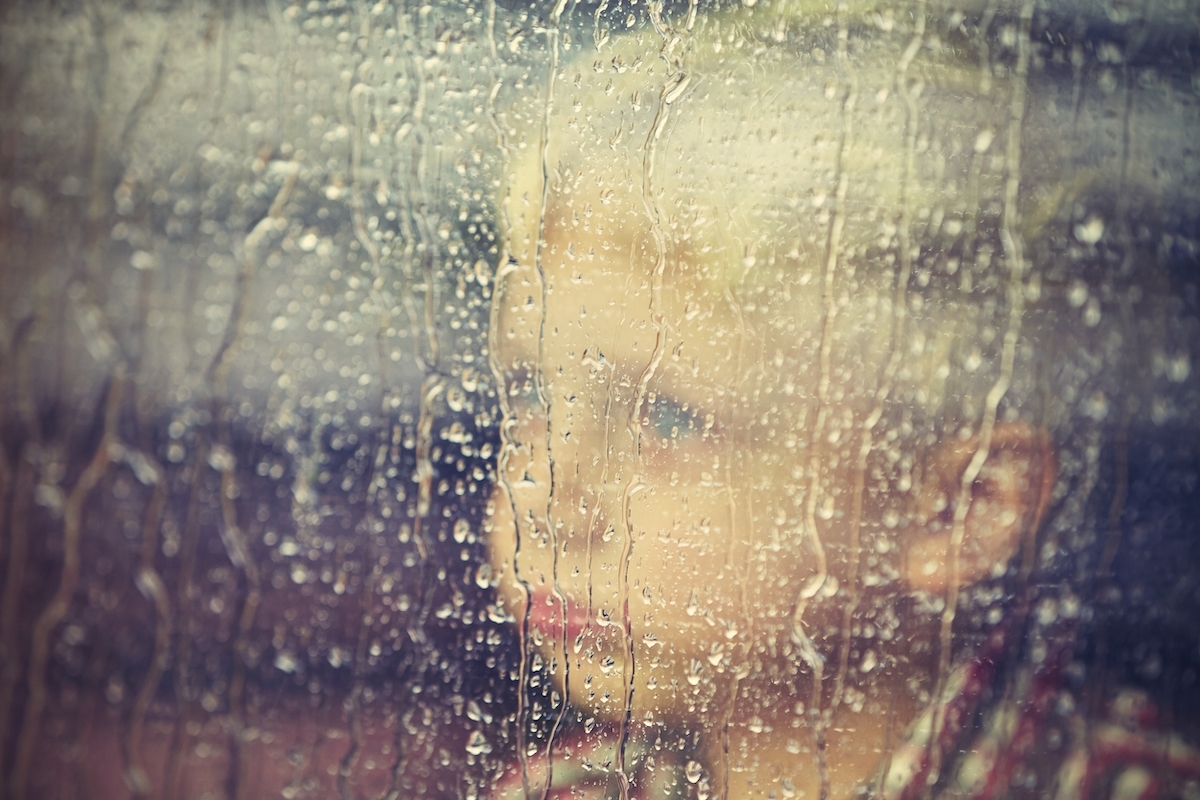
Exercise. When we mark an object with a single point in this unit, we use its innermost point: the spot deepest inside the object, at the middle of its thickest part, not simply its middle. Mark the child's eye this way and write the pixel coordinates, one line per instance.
(670, 419)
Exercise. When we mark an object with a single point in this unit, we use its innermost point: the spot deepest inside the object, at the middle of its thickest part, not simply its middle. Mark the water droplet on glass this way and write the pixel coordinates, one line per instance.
(477, 744)
(143, 260)
(1179, 368)
(221, 459)
(1090, 231)
(693, 674)
(286, 662)
(984, 140)
(338, 657)
(715, 656)
(1077, 293)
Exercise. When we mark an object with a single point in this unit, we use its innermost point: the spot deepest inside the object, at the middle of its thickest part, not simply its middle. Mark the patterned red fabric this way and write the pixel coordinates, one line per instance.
(1036, 738)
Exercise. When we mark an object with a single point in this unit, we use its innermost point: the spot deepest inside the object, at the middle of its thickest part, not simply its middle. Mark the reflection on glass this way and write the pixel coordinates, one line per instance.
(617, 400)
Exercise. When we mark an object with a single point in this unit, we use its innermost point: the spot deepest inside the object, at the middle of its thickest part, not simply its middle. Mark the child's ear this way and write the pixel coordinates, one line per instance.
(1007, 502)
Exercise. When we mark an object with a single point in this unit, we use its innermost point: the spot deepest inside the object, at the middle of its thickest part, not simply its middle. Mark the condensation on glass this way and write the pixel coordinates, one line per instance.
(615, 399)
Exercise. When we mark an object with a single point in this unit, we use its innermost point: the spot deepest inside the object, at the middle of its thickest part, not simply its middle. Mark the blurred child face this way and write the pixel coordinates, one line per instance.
(723, 457)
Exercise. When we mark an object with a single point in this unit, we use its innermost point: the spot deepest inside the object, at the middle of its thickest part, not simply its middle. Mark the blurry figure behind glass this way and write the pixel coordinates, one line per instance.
(851, 457)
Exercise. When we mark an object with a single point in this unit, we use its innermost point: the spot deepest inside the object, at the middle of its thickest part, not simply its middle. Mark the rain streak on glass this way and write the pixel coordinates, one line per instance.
(604, 399)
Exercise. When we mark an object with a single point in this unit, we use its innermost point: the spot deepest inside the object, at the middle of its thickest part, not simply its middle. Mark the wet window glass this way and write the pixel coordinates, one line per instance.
(607, 399)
